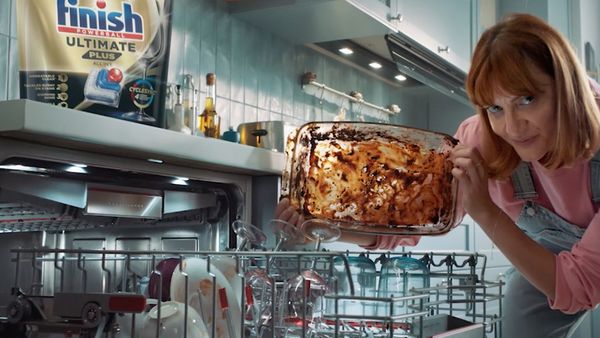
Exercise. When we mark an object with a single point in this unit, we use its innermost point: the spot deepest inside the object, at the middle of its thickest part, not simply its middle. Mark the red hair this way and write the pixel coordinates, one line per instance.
(503, 60)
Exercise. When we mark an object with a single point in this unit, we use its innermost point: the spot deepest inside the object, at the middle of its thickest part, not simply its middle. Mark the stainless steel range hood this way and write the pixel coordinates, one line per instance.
(317, 22)
(427, 67)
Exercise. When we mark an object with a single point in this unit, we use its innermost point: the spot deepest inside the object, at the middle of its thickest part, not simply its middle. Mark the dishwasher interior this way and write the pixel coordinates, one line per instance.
(99, 246)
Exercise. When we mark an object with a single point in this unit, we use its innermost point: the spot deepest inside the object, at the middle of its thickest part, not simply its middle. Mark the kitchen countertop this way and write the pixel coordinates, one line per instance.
(67, 128)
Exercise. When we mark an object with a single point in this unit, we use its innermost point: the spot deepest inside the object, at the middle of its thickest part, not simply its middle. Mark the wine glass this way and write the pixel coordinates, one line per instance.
(320, 231)
(262, 281)
(259, 295)
(303, 301)
(286, 232)
(249, 233)
(257, 282)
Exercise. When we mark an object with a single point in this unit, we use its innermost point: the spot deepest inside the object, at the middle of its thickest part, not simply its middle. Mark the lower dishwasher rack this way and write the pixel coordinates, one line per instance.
(116, 293)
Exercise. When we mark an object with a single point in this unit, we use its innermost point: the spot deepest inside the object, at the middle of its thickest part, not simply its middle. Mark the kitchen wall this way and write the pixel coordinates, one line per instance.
(575, 19)
(257, 73)
(8, 51)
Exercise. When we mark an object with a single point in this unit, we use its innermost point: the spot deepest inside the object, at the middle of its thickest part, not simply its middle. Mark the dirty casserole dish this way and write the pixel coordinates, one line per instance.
(372, 178)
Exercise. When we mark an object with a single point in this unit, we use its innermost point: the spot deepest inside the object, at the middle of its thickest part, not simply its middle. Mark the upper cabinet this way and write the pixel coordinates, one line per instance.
(430, 41)
(576, 20)
(311, 21)
(444, 27)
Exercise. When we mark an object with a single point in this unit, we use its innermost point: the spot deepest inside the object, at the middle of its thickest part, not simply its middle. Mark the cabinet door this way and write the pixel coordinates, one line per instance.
(444, 27)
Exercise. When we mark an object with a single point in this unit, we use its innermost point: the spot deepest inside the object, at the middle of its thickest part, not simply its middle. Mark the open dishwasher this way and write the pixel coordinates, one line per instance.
(94, 219)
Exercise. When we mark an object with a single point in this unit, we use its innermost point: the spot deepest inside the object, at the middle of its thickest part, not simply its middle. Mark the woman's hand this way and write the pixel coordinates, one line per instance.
(471, 173)
(285, 212)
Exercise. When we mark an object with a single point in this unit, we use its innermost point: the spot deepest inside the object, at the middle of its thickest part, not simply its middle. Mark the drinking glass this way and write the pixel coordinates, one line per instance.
(364, 280)
(400, 275)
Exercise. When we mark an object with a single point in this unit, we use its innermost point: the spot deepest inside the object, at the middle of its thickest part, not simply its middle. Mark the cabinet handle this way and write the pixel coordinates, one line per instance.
(398, 17)
(443, 49)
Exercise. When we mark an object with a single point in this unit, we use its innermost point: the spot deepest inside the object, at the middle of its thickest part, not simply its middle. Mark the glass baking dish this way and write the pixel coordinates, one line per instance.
(372, 178)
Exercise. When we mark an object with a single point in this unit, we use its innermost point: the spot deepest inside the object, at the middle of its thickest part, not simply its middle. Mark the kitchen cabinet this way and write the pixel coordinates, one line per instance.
(444, 27)
(447, 28)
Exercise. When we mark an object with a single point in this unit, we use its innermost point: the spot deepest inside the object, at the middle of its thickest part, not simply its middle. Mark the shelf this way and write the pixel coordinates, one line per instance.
(67, 128)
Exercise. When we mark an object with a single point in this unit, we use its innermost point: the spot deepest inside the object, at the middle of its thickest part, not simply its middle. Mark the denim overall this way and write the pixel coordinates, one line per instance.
(526, 312)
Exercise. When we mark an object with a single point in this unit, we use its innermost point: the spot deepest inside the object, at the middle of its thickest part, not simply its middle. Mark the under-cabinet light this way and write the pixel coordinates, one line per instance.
(77, 168)
(21, 168)
(375, 65)
(400, 77)
(346, 51)
(153, 160)
(180, 181)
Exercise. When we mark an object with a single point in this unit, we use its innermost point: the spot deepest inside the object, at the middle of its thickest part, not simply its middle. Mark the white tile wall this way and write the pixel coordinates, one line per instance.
(13, 22)
(13, 70)
(4, 54)
(5, 17)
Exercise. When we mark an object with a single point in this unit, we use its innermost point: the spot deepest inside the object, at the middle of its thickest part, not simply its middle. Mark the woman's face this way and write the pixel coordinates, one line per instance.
(527, 123)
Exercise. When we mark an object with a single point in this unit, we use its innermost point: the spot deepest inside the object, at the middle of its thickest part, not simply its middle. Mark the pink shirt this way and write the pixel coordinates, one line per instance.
(566, 192)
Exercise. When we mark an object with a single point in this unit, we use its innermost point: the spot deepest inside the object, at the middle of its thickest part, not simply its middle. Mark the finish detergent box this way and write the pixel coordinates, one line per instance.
(105, 57)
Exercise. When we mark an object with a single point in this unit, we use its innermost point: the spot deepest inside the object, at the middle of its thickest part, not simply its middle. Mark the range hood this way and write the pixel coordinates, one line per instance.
(319, 23)
(427, 67)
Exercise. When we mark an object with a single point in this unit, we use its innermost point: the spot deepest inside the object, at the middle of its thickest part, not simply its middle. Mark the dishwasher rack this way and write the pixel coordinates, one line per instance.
(84, 293)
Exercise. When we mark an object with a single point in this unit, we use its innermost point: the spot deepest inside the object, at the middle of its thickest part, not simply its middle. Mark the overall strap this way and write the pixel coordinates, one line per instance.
(523, 182)
(595, 177)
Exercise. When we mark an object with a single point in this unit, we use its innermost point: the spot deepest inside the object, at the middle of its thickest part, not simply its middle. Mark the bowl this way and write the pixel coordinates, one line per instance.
(166, 268)
(171, 322)
(200, 294)
(124, 322)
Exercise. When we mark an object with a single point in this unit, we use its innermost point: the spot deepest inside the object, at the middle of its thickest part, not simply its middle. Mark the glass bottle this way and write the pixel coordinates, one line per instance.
(210, 122)
(169, 105)
(178, 110)
(189, 102)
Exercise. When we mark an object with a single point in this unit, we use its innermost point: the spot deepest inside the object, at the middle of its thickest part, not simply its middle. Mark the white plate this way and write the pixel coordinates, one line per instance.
(227, 266)
(200, 295)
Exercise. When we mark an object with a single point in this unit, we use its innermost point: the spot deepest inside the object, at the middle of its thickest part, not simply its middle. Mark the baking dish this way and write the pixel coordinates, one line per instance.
(372, 178)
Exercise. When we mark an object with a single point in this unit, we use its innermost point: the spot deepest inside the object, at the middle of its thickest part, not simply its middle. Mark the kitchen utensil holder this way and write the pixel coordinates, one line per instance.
(316, 89)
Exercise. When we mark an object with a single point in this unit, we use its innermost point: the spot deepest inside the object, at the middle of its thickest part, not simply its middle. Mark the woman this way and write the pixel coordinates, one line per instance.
(528, 165)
